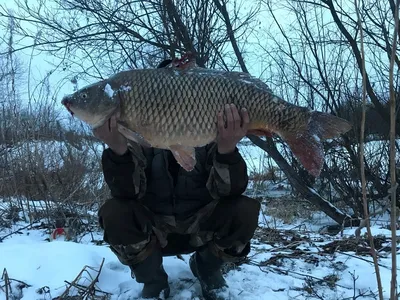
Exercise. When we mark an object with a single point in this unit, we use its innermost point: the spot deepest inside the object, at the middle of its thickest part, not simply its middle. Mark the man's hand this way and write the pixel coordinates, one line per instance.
(109, 134)
(233, 130)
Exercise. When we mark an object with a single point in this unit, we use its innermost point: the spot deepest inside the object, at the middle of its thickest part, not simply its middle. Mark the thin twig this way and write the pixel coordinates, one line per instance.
(362, 163)
(363, 222)
(67, 290)
(7, 283)
(16, 231)
(283, 271)
(86, 290)
(393, 213)
(96, 279)
(363, 259)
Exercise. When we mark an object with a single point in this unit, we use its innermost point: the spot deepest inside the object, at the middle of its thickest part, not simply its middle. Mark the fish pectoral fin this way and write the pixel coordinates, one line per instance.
(308, 149)
(133, 136)
(185, 156)
(260, 132)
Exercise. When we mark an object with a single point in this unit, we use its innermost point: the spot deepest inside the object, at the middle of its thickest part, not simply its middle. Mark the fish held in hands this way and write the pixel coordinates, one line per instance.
(176, 108)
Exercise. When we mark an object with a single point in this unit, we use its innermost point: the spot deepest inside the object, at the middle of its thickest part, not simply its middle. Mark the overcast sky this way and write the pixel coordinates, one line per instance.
(36, 67)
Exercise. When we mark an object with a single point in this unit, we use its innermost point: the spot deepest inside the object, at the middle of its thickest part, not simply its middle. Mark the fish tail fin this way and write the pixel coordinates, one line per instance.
(327, 126)
(307, 145)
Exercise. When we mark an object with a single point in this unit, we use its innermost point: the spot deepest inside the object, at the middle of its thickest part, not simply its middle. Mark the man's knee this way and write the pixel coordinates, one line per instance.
(245, 216)
(234, 221)
(124, 222)
(133, 254)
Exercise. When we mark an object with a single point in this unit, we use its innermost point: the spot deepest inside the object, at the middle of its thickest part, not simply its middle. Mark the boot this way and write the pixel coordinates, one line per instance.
(207, 268)
(151, 272)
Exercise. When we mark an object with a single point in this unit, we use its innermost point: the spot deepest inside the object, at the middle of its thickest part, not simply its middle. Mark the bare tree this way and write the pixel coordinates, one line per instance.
(318, 57)
(137, 34)
(40, 159)
(122, 34)
(314, 61)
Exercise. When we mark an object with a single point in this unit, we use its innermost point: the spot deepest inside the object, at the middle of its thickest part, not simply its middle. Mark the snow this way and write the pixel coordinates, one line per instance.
(245, 81)
(108, 90)
(125, 88)
(316, 138)
(30, 256)
(375, 231)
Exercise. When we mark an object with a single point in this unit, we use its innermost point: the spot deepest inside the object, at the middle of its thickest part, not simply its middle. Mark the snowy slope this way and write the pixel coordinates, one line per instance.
(276, 270)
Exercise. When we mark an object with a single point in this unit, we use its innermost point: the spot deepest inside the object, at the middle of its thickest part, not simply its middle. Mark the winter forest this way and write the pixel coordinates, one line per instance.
(333, 237)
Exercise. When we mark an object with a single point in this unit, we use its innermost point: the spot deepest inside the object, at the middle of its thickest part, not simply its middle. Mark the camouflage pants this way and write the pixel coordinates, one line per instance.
(133, 232)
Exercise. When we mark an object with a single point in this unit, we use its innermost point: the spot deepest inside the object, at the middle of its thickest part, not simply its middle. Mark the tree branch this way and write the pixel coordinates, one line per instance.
(353, 44)
(231, 34)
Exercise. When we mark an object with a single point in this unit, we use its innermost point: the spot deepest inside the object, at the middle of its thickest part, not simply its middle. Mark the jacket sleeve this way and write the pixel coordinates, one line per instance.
(124, 174)
(228, 173)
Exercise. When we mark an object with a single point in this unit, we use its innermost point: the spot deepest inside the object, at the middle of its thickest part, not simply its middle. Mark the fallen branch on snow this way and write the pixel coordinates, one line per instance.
(89, 291)
(16, 231)
(7, 284)
(7, 288)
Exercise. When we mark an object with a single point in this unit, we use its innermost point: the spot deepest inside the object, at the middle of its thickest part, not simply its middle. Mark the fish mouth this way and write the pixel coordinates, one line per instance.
(67, 103)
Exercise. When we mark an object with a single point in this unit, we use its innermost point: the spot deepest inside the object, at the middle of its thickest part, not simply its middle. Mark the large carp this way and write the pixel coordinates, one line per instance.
(176, 108)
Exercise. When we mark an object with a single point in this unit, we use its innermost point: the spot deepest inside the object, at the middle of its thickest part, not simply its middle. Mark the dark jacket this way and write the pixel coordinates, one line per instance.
(153, 177)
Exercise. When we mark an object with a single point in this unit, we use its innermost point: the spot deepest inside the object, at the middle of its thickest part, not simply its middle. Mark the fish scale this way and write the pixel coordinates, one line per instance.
(176, 109)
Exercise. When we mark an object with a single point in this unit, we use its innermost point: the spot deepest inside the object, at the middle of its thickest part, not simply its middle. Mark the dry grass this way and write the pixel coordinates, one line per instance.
(288, 208)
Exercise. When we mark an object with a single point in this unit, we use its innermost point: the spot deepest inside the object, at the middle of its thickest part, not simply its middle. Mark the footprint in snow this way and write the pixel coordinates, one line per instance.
(117, 266)
(128, 290)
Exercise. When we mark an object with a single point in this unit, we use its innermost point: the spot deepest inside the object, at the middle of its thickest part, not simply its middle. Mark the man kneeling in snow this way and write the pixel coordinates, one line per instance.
(158, 209)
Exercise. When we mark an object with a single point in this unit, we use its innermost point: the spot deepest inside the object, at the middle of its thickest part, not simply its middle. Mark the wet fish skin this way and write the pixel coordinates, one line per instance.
(176, 109)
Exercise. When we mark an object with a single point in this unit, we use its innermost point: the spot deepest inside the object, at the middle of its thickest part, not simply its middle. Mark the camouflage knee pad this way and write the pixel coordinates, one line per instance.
(133, 254)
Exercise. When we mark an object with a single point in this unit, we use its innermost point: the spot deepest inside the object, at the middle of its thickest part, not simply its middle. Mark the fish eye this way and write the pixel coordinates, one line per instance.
(84, 95)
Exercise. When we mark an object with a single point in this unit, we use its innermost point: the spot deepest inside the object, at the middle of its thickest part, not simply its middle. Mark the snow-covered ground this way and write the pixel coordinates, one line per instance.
(287, 261)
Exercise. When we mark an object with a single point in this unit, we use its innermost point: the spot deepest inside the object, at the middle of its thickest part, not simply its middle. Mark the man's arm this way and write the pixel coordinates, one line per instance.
(123, 174)
(228, 173)
(123, 167)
